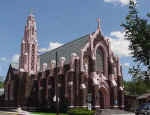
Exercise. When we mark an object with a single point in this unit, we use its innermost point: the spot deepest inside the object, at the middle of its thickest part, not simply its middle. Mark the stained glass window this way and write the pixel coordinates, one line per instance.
(99, 60)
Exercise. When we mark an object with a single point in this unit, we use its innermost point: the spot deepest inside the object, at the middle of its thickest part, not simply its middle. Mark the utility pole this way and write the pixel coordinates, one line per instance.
(57, 101)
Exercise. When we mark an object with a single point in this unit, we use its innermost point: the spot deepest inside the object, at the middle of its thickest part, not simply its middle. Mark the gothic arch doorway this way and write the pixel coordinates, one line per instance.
(104, 96)
(101, 100)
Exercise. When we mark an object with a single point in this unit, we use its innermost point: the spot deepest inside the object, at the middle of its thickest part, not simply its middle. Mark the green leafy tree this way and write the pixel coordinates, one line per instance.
(138, 33)
(136, 88)
(138, 84)
(1, 84)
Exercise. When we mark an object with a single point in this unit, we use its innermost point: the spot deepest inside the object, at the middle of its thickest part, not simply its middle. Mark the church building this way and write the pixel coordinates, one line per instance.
(82, 72)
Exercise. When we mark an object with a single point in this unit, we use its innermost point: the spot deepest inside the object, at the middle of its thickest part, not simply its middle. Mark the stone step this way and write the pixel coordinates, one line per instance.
(112, 112)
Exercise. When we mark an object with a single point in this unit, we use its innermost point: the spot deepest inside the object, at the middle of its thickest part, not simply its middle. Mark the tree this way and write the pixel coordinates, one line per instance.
(137, 31)
(1, 84)
(136, 88)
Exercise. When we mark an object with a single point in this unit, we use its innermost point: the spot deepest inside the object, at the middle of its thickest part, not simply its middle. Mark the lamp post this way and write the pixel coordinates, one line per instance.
(57, 101)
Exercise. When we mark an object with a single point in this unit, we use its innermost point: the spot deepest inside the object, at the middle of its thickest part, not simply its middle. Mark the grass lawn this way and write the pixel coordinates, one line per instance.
(42, 113)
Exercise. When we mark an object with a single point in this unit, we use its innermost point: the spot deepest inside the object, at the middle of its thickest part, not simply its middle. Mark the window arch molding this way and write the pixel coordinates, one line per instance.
(101, 46)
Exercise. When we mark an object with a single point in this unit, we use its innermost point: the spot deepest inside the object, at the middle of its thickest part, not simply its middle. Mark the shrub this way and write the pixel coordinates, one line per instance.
(80, 111)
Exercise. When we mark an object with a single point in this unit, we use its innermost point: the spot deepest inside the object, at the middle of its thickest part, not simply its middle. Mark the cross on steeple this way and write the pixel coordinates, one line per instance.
(31, 11)
(98, 21)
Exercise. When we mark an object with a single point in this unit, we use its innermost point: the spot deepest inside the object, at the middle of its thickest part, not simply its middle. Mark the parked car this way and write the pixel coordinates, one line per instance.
(143, 109)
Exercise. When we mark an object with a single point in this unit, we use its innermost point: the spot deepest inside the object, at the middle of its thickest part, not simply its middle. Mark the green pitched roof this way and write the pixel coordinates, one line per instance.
(15, 65)
(64, 51)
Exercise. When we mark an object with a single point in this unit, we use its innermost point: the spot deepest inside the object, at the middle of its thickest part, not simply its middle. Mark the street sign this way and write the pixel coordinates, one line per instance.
(89, 97)
(89, 106)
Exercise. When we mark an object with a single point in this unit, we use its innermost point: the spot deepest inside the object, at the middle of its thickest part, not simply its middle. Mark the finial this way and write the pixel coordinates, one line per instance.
(31, 11)
(98, 21)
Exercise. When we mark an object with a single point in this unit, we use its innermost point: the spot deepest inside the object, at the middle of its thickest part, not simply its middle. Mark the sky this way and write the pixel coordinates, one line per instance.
(61, 21)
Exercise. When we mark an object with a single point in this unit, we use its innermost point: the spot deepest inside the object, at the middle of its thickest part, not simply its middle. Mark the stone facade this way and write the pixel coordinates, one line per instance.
(87, 72)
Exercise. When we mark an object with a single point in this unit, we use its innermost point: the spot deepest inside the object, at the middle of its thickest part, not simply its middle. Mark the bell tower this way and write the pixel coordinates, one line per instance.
(28, 60)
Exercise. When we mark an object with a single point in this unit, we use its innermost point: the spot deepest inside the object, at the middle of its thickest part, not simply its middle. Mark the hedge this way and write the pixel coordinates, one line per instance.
(80, 111)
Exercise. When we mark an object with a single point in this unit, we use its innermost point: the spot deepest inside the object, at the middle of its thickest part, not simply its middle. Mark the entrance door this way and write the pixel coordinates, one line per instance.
(101, 100)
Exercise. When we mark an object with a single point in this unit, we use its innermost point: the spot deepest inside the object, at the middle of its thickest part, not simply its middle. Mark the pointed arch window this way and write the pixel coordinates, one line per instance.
(32, 30)
(32, 57)
(99, 60)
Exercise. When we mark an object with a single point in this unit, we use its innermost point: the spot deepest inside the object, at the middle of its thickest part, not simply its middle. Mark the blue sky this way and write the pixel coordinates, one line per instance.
(61, 21)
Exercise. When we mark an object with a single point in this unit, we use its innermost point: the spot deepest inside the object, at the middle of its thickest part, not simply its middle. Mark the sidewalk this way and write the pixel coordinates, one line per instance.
(113, 112)
(7, 113)
(13, 112)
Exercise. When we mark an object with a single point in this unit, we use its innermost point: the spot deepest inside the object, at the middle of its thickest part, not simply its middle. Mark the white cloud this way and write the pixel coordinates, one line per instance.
(3, 59)
(15, 58)
(118, 34)
(122, 2)
(127, 65)
(52, 45)
(119, 44)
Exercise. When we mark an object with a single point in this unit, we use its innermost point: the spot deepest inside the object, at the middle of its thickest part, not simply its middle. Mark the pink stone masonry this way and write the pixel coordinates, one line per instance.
(28, 61)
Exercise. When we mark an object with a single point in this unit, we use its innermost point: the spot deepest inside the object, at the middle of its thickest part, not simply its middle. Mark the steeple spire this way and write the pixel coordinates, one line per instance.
(98, 22)
(31, 12)
(29, 47)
